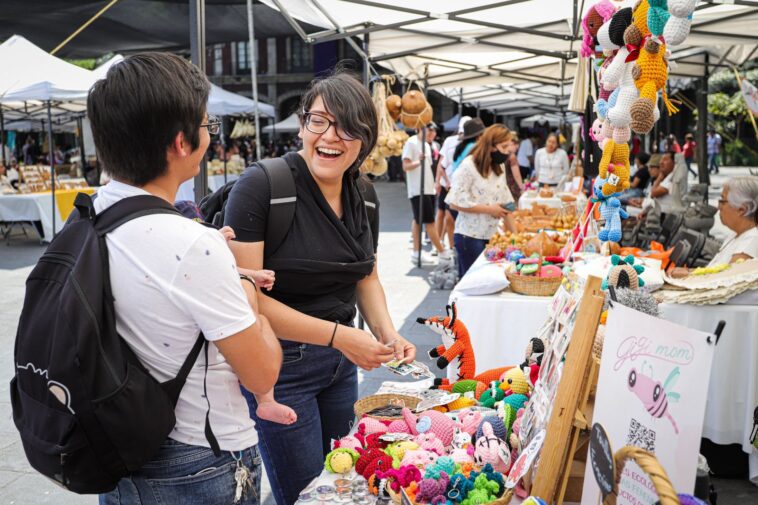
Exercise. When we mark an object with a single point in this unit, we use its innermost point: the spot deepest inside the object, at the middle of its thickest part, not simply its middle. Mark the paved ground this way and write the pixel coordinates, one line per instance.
(409, 296)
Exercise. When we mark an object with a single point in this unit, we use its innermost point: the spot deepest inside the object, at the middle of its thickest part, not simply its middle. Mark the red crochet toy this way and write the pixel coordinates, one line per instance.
(371, 461)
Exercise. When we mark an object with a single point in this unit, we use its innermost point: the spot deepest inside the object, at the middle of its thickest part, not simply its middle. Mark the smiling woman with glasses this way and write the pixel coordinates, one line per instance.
(325, 265)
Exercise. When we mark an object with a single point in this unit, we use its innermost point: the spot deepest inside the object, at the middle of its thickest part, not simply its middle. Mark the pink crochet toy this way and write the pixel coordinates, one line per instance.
(419, 458)
(369, 425)
(591, 23)
(463, 455)
(348, 442)
(428, 421)
(490, 449)
(433, 491)
(401, 477)
(429, 442)
(470, 420)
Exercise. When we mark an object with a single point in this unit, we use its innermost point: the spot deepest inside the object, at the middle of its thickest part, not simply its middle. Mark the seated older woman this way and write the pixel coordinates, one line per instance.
(738, 207)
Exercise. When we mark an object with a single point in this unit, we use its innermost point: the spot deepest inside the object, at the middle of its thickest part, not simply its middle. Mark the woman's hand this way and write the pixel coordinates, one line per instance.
(403, 349)
(264, 278)
(361, 348)
(497, 211)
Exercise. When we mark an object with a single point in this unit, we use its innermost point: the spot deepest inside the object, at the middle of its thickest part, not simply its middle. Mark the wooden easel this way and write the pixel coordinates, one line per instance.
(560, 473)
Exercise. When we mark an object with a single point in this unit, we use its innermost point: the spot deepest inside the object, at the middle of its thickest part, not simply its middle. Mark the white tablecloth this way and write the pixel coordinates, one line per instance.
(32, 207)
(501, 325)
(526, 201)
(187, 189)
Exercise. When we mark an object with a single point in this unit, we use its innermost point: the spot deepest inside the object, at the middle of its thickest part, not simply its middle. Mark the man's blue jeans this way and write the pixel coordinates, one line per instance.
(321, 385)
(182, 474)
(713, 162)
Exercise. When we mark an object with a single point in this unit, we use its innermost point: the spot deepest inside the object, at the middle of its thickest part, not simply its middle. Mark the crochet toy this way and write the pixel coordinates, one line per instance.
(371, 461)
(461, 403)
(433, 490)
(429, 442)
(535, 349)
(490, 474)
(400, 477)
(514, 382)
(614, 167)
(459, 487)
(516, 401)
(492, 395)
(341, 460)
(650, 74)
(495, 423)
(397, 450)
(657, 16)
(493, 450)
(419, 458)
(596, 16)
(532, 373)
(466, 386)
(624, 273)
(533, 500)
(455, 334)
(610, 210)
(463, 455)
(485, 491)
(514, 439)
(461, 439)
(429, 421)
(369, 425)
(470, 421)
(678, 25)
(596, 130)
(444, 464)
(375, 441)
(349, 442)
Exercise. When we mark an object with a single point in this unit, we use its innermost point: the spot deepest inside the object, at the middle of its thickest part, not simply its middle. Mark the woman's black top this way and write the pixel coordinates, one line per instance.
(322, 257)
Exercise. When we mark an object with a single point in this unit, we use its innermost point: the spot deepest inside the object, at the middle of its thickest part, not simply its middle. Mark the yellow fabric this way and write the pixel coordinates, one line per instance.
(64, 199)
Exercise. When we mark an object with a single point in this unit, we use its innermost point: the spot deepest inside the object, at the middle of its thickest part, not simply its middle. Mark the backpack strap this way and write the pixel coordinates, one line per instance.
(282, 203)
(370, 199)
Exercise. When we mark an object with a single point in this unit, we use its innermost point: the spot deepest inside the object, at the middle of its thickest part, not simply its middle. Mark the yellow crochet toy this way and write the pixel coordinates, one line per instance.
(614, 166)
(650, 74)
(515, 381)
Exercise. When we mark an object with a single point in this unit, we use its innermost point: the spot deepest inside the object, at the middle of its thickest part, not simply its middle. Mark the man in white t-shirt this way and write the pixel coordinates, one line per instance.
(173, 278)
(412, 166)
(663, 187)
(525, 157)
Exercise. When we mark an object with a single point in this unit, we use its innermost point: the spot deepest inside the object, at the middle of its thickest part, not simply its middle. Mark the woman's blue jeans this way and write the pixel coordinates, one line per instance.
(182, 474)
(321, 385)
(467, 249)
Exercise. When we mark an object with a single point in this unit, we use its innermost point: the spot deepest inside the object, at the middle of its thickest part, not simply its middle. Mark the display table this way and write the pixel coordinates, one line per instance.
(39, 207)
(526, 201)
(501, 325)
(187, 189)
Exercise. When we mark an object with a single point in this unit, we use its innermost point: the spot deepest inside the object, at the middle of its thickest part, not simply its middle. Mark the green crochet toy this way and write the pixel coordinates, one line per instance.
(397, 450)
(341, 460)
(485, 491)
(492, 395)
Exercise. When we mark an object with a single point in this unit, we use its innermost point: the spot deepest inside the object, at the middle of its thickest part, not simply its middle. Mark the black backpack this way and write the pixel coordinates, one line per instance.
(88, 412)
(281, 204)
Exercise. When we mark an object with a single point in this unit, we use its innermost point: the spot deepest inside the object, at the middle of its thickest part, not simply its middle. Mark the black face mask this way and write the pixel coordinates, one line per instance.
(498, 157)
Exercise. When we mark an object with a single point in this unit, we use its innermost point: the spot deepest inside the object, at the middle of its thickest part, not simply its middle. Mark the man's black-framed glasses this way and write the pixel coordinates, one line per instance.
(213, 125)
(318, 124)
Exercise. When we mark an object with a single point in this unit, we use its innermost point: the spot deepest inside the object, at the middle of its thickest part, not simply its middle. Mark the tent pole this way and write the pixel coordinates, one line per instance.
(702, 127)
(254, 77)
(223, 148)
(366, 71)
(2, 137)
(197, 50)
(82, 154)
(422, 167)
(51, 152)
(460, 103)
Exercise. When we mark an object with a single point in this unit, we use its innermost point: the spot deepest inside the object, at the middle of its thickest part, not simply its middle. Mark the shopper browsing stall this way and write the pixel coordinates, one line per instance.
(471, 132)
(324, 266)
(551, 163)
(481, 196)
(412, 164)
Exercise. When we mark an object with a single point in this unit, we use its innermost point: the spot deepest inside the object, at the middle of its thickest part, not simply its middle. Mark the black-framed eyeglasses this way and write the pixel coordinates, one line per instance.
(319, 124)
(213, 125)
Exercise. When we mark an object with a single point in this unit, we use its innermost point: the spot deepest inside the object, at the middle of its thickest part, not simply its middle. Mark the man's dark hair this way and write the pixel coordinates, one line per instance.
(670, 154)
(350, 103)
(643, 157)
(138, 110)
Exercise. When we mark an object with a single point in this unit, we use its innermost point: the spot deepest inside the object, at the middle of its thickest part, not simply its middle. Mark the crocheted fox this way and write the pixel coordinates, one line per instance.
(456, 342)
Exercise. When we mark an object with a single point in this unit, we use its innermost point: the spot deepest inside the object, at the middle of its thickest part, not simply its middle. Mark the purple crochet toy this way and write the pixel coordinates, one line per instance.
(433, 491)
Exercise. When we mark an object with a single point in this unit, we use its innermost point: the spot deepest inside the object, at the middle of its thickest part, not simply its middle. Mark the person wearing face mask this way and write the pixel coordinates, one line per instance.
(551, 163)
(325, 265)
(481, 196)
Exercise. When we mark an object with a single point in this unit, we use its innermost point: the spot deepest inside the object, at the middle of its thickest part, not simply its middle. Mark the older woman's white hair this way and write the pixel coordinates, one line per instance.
(743, 192)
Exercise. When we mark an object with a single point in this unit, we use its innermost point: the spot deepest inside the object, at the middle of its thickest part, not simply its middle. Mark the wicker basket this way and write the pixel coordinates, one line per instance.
(650, 465)
(369, 403)
(503, 500)
(533, 286)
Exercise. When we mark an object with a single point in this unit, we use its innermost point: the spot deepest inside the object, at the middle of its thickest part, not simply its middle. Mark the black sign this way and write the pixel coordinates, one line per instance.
(601, 459)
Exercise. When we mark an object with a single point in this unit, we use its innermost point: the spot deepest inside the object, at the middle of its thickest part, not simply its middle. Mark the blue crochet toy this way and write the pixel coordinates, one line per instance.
(443, 464)
(458, 488)
(611, 212)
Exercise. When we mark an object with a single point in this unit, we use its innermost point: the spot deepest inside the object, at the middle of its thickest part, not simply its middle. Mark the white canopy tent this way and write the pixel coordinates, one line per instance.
(220, 101)
(289, 125)
(505, 48)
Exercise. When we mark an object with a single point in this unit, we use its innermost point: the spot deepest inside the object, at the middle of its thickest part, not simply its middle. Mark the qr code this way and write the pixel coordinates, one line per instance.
(640, 436)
